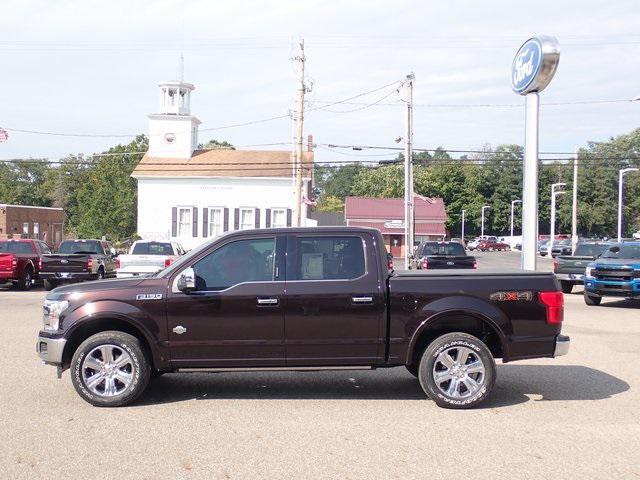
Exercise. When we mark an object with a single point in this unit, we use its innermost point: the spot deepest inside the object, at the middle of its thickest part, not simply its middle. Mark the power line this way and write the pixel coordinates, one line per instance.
(484, 105)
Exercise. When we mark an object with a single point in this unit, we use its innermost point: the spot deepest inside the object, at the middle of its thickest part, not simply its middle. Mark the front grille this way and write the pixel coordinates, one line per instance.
(614, 275)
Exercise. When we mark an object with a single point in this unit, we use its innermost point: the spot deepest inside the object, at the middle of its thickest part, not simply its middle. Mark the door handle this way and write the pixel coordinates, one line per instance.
(362, 300)
(268, 301)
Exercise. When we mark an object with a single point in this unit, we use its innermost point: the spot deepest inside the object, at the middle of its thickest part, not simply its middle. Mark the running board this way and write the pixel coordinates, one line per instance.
(267, 369)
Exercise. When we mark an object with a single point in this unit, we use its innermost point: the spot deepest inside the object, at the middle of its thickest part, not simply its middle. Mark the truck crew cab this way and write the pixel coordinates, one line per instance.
(300, 299)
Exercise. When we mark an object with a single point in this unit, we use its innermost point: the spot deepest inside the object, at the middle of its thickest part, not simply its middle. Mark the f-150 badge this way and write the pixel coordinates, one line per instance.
(149, 296)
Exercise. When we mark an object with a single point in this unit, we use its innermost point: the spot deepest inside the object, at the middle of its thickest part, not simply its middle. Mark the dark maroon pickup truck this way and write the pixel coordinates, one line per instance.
(21, 261)
(300, 299)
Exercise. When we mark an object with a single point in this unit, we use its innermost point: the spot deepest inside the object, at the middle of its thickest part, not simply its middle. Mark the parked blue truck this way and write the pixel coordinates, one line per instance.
(616, 273)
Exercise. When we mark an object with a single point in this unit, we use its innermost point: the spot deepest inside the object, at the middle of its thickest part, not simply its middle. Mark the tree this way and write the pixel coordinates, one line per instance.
(22, 182)
(216, 145)
(329, 203)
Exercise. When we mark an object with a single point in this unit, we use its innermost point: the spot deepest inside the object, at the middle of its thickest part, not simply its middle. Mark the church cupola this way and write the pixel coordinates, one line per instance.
(175, 98)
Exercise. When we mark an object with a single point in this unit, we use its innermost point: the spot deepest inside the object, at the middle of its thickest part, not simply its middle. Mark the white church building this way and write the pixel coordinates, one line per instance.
(190, 196)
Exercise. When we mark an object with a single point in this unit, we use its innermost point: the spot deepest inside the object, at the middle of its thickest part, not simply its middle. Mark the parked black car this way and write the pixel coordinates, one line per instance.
(78, 260)
(438, 255)
(569, 269)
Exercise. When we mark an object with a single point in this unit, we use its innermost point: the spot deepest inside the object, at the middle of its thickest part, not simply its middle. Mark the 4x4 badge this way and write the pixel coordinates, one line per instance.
(149, 296)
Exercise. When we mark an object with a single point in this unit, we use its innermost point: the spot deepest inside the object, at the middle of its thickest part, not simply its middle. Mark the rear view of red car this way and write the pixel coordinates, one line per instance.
(21, 261)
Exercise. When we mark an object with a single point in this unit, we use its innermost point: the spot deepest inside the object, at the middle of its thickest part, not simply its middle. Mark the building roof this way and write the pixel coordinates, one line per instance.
(225, 163)
(368, 208)
(5, 205)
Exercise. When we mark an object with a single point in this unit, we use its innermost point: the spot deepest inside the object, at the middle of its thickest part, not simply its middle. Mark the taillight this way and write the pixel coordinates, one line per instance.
(425, 264)
(390, 264)
(554, 303)
(89, 264)
(14, 262)
(117, 263)
(168, 261)
(40, 263)
(555, 266)
(475, 264)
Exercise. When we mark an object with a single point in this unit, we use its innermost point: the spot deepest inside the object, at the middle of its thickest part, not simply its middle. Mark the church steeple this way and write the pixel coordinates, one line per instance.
(173, 131)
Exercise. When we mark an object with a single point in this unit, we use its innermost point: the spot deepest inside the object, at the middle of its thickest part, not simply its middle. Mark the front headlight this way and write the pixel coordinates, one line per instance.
(587, 272)
(51, 313)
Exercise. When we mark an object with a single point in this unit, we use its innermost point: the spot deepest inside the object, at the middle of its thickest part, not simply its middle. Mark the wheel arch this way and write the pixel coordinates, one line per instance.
(457, 320)
(90, 326)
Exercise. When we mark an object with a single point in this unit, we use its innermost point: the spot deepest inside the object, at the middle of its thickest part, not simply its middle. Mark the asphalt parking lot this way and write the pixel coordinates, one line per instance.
(571, 417)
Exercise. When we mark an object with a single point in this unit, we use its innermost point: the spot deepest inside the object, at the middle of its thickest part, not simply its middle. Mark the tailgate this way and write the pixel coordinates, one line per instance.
(449, 261)
(132, 262)
(6, 261)
(64, 262)
(572, 264)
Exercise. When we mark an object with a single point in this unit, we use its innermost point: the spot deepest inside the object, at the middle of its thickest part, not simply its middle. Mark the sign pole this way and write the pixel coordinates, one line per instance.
(530, 183)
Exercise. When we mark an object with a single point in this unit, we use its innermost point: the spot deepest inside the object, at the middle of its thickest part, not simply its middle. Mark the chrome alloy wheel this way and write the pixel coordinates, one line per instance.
(458, 372)
(107, 370)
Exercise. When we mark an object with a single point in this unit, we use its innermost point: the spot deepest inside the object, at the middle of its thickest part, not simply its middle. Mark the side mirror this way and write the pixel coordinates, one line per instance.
(187, 280)
(113, 252)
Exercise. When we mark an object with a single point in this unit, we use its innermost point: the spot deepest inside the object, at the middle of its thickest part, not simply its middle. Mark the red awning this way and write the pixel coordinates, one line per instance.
(397, 228)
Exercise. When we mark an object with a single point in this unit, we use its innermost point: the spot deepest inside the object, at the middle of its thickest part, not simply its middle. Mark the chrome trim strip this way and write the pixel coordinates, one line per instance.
(268, 369)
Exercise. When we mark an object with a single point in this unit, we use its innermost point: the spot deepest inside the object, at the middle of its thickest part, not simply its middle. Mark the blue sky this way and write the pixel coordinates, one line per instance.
(92, 67)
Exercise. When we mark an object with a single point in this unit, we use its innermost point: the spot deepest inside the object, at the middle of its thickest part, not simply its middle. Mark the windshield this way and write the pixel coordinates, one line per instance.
(152, 248)
(15, 247)
(443, 249)
(80, 246)
(589, 249)
(622, 251)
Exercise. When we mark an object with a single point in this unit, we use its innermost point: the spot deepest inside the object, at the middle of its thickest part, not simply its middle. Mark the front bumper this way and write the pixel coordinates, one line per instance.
(50, 349)
(562, 345)
(612, 289)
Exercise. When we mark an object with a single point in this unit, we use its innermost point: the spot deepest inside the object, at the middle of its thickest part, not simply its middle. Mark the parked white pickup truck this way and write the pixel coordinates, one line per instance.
(146, 257)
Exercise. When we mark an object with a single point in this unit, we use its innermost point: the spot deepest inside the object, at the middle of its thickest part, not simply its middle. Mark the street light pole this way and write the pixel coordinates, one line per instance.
(462, 229)
(554, 194)
(513, 203)
(482, 221)
(621, 174)
(574, 208)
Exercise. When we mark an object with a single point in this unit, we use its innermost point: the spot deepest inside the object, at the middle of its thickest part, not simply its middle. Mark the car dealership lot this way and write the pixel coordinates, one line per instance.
(575, 415)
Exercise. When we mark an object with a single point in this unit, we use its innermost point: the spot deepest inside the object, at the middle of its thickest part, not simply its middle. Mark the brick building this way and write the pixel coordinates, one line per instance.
(387, 215)
(21, 221)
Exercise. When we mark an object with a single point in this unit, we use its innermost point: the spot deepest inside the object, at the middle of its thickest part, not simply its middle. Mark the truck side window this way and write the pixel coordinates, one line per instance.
(236, 262)
(329, 258)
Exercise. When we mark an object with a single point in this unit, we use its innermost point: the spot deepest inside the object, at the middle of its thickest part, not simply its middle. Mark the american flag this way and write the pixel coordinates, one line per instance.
(4, 136)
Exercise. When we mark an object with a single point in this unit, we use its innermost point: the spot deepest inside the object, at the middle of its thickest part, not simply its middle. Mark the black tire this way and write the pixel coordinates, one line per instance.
(50, 284)
(139, 369)
(100, 274)
(592, 300)
(567, 287)
(478, 351)
(412, 369)
(26, 280)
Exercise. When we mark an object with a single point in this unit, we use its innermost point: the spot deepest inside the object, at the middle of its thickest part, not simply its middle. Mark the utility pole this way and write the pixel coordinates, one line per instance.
(513, 203)
(482, 220)
(554, 194)
(408, 173)
(621, 174)
(574, 208)
(462, 229)
(299, 126)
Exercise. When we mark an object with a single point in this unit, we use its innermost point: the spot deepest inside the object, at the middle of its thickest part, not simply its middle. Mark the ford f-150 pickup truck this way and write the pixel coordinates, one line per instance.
(78, 260)
(615, 273)
(300, 299)
(21, 261)
(569, 269)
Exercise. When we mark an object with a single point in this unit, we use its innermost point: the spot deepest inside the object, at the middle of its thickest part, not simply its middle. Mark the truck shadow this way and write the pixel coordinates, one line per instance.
(515, 385)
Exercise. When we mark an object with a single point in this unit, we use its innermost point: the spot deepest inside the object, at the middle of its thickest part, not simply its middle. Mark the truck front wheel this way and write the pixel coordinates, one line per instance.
(457, 370)
(591, 300)
(110, 369)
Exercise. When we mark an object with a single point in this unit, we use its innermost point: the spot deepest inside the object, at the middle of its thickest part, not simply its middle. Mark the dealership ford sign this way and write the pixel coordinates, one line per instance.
(534, 65)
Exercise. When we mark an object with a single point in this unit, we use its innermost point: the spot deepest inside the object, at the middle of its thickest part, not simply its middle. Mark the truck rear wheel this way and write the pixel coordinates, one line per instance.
(457, 370)
(567, 287)
(26, 279)
(110, 369)
(591, 300)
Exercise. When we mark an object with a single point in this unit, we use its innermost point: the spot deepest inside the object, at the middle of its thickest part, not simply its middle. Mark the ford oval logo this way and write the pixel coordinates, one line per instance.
(64, 260)
(526, 65)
